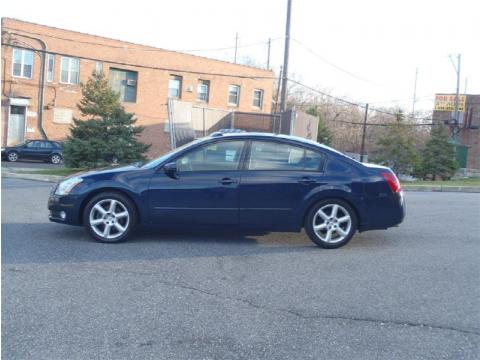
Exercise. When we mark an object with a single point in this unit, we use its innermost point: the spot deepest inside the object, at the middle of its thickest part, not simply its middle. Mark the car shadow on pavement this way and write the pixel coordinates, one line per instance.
(53, 243)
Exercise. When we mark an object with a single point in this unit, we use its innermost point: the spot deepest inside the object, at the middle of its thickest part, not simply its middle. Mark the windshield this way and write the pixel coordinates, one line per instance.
(155, 162)
(23, 143)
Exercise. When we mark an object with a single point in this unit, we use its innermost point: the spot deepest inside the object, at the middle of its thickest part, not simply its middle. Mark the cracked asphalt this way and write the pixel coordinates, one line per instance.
(411, 292)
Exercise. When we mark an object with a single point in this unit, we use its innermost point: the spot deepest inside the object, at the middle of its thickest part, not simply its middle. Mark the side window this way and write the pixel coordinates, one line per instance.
(47, 145)
(275, 156)
(214, 157)
(33, 144)
(266, 155)
(313, 160)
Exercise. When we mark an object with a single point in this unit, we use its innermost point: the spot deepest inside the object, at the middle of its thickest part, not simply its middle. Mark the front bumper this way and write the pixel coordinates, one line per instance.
(64, 209)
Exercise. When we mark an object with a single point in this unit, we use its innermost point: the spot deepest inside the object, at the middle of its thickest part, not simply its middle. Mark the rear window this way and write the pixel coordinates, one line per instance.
(266, 155)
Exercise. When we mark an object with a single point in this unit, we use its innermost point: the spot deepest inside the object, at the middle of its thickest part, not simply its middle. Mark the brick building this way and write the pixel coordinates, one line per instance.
(468, 151)
(38, 103)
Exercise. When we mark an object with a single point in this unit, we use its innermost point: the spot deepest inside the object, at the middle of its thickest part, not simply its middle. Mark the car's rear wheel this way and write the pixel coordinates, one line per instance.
(110, 217)
(56, 159)
(331, 223)
(12, 156)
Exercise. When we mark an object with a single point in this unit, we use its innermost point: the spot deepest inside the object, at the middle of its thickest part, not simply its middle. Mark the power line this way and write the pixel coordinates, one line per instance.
(404, 99)
(363, 106)
(332, 64)
(228, 47)
(138, 47)
(143, 66)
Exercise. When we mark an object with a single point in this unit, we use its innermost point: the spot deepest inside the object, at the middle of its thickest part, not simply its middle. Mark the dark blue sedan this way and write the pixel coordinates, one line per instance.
(245, 180)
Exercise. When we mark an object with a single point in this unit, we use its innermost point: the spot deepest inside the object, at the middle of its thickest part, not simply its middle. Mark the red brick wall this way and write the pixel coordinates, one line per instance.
(152, 87)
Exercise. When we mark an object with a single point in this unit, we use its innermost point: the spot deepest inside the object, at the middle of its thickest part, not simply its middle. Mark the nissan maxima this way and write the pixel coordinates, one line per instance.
(245, 181)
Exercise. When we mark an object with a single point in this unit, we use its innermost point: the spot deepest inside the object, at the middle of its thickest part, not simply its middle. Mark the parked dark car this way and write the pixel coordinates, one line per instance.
(245, 180)
(44, 150)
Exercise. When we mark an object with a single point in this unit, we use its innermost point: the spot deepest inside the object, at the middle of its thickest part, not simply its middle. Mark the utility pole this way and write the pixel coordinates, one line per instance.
(236, 46)
(285, 59)
(278, 89)
(415, 92)
(364, 133)
(268, 53)
(457, 93)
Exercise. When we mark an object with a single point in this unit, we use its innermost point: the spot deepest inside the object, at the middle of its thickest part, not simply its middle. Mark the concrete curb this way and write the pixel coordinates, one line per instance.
(442, 188)
(37, 177)
(437, 188)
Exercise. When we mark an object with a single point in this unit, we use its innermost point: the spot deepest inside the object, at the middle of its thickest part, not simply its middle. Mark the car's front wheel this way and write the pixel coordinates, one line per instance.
(12, 156)
(331, 223)
(110, 217)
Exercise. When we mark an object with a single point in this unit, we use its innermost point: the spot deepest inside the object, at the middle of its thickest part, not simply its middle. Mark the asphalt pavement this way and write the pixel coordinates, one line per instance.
(410, 292)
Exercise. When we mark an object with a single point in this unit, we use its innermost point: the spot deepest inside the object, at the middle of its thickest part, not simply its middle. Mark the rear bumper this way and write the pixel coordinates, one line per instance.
(388, 215)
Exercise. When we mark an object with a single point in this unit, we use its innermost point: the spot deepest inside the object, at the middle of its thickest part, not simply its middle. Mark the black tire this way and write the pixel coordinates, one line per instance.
(56, 159)
(331, 225)
(126, 204)
(12, 156)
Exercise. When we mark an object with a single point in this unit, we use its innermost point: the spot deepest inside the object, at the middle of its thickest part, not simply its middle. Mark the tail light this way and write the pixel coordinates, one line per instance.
(392, 181)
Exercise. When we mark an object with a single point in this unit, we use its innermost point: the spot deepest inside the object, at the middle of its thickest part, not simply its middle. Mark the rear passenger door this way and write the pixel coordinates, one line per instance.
(45, 150)
(276, 178)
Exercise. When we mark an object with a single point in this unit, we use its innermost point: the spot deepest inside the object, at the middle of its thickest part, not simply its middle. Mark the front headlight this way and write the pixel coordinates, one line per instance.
(66, 186)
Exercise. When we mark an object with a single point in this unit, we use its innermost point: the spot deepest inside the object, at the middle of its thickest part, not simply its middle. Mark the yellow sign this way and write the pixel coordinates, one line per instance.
(446, 102)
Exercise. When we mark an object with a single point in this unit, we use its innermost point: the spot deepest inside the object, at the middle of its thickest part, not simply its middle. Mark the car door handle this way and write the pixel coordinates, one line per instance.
(227, 181)
(307, 180)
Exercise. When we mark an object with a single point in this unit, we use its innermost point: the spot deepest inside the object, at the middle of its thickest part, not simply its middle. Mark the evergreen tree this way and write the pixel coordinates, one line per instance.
(108, 134)
(438, 158)
(324, 135)
(397, 148)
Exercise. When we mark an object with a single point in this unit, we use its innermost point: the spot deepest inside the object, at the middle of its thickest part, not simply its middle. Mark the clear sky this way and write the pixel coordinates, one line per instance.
(379, 43)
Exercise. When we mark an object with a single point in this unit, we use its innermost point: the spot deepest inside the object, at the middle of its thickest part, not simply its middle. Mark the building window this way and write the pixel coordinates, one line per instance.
(98, 67)
(233, 95)
(257, 98)
(125, 83)
(70, 70)
(50, 67)
(203, 90)
(175, 87)
(22, 63)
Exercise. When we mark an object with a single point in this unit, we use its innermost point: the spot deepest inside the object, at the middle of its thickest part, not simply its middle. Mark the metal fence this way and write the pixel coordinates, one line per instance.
(187, 122)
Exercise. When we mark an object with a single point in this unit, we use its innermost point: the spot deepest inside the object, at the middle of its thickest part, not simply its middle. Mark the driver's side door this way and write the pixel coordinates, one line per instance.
(204, 190)
(30, 150)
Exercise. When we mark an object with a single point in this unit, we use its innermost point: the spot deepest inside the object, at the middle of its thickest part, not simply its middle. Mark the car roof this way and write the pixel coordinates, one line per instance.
(253, 135)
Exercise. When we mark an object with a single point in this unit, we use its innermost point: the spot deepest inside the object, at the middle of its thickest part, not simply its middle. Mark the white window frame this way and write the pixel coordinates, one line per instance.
(22, 63)
(69, 70)
(98, 67)
(179, 78)
(203, 83)
(261, 99)
(50, 56)
(238, 95)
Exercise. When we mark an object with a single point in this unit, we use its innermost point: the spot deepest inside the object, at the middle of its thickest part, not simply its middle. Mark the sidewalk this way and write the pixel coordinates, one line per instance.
(29, 174)
(441, 188)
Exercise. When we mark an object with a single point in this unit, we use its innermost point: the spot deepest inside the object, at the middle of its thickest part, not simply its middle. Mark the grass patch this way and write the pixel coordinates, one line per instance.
(56, 172)
(460, 182)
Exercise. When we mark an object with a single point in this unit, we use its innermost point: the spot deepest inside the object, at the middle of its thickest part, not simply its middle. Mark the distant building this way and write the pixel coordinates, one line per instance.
(146, 77)
(468, 155)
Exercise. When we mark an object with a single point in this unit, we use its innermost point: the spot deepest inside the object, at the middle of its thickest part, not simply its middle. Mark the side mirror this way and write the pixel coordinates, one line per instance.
(171, 170)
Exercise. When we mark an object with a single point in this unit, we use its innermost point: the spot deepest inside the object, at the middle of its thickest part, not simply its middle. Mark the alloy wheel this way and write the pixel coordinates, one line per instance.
(109, 218)
(56, 159)
(13, 156)
(332, 223)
